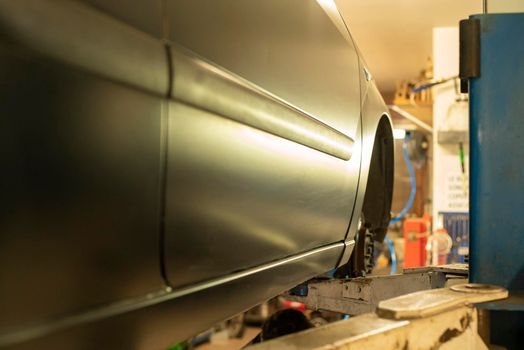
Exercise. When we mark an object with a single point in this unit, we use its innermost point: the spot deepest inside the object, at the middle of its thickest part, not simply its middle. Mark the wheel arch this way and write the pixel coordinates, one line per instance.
(377, 168)
(378, 189)
(376, 124)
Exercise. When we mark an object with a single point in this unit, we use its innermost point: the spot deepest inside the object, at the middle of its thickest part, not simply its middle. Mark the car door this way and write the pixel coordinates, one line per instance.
(80, 120)
(239, 193)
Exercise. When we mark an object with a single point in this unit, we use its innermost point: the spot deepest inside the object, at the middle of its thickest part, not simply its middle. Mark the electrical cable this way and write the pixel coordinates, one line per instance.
(408, 204)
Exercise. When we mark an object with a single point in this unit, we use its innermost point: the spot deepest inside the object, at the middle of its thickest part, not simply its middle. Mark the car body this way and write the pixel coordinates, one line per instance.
(168, 164)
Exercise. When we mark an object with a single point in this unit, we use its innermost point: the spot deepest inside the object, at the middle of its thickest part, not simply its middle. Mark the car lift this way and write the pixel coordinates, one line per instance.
(424, 308)
(360, 295)
(442, 318)
(438, 313)
(427, 307)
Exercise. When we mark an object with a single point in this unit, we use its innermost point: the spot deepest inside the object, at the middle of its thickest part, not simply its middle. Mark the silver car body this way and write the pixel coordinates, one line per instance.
(173, 163)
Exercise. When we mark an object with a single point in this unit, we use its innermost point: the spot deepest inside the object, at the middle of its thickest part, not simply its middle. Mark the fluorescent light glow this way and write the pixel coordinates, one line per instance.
(399, 134)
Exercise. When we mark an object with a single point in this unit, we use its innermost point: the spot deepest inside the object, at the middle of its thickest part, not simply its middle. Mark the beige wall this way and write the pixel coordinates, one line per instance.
(499, 6)
(448, 192)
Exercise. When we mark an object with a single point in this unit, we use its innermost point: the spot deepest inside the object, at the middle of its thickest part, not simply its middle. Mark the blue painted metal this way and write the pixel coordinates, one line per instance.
(497, 154)
(457, 226)
(497, 171)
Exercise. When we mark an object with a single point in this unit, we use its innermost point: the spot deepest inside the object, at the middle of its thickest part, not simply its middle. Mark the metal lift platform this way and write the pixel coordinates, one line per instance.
(423, 308)
(361, 295)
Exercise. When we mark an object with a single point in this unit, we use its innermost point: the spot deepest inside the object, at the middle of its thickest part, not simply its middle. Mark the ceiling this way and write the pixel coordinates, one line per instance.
(395, 36)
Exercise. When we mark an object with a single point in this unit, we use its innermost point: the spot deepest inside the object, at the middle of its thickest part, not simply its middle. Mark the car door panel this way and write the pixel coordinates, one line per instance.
(80, 143)
(240, 194)
(237, 196)
(289, 48)
(144, 15)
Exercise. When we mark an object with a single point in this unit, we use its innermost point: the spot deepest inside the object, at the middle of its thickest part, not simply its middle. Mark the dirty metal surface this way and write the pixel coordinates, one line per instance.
(452, 329)
(452, 269)
(446, 320)
(361, 295)
(430, 302)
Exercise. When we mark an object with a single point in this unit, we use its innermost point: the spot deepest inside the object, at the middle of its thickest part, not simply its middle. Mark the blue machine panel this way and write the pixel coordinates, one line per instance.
(497, 154)
(457, 226)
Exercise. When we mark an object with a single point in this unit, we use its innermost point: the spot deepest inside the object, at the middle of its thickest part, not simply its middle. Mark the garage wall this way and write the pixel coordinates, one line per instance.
(500, 6)
(448, 192)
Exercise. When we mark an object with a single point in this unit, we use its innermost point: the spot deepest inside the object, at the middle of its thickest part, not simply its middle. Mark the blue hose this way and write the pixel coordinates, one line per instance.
(393, 256)
(408, 204)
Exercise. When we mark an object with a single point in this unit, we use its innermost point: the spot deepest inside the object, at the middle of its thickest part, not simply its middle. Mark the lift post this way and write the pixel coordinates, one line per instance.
(496, 74)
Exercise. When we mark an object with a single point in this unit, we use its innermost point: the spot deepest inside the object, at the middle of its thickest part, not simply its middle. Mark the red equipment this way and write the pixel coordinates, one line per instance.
(415, 240)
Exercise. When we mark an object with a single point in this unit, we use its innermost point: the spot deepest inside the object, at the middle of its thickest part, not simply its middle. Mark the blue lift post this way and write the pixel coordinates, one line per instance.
(497, 169)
